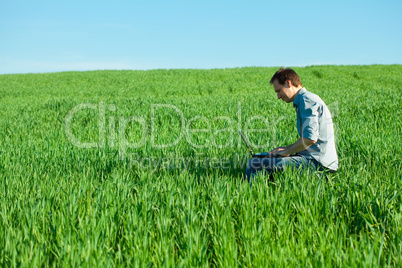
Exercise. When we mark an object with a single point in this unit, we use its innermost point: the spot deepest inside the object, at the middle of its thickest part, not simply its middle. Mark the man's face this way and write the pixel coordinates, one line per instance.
(284, 92)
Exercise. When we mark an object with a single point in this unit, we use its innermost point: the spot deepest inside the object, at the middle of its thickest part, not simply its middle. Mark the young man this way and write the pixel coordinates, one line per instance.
(316, 146)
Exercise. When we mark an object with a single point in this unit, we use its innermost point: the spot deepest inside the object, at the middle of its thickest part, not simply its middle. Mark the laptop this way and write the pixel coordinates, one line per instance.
(254, 155)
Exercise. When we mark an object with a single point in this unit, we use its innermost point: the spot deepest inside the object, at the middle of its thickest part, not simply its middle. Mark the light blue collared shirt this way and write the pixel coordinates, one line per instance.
(314, 122)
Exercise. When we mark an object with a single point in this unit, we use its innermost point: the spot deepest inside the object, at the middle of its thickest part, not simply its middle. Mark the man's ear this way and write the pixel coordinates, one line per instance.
(288, 83)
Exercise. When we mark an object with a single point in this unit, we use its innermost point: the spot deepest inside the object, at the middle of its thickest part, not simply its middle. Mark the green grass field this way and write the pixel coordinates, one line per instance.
(145, 168)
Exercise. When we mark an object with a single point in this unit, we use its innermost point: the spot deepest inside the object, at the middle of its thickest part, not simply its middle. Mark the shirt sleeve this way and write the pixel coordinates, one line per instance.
(309, 113)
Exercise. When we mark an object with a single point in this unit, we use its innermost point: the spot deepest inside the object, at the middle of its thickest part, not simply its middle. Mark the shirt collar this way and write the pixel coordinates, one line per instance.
(298, 96)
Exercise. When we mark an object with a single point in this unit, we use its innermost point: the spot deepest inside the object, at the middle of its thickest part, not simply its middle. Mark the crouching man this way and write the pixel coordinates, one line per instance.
(316, 146)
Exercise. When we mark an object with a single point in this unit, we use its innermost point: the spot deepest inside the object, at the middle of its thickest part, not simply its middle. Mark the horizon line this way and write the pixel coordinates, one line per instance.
(217, 68)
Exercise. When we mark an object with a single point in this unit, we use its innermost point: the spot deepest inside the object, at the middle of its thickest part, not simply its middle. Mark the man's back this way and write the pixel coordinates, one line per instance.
(314, 122)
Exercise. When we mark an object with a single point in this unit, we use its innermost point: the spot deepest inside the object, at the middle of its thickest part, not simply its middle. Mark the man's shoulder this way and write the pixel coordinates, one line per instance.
(310, 98)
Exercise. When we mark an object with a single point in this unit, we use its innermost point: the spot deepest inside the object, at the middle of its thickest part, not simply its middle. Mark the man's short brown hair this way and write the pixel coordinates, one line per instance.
(286, 74)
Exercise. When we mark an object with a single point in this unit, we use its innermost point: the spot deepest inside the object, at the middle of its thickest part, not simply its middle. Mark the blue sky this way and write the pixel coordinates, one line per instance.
(52, 36)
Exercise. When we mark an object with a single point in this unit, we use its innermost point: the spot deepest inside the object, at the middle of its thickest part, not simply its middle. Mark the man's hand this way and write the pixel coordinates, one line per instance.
(281, 151)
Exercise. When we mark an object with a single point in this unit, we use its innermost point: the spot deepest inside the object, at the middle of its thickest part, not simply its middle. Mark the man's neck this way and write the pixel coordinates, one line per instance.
(297, 89)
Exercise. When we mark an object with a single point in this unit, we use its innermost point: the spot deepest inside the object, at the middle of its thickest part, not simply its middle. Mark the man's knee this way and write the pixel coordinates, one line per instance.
(253, 164)
(256, 164)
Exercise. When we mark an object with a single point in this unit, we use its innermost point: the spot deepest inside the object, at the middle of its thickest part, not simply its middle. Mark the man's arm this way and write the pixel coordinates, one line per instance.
(300, 145)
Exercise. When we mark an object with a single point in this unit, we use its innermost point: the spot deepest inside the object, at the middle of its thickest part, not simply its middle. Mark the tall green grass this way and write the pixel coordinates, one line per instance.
(179, 205)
